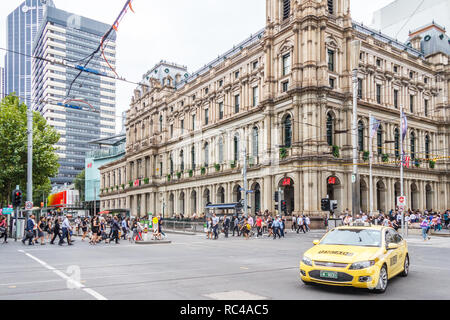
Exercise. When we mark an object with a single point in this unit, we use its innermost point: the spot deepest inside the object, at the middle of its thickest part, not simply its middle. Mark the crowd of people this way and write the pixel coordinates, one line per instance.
(108, 228)
(97, 229)
(263, 224)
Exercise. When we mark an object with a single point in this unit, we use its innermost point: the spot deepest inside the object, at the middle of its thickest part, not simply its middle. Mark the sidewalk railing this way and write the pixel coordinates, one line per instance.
(182, 226)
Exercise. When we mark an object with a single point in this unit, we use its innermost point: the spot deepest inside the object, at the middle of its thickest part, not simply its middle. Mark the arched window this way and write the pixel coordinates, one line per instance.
(206, 155)
(287, 126)
(380, 140)
(220, 150)
(182, 160)
(427, 147)
(236, 148)
(413, 146)
(397, 143)
(330, 129)
(193, 157)
(171, 164)
(361, 136)
(255, 142)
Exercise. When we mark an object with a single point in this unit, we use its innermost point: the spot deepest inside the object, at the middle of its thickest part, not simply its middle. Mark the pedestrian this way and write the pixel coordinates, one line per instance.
(245, 229)
(66, 229)
(446, 219)
(300, 224)
(160, 224)
(4, 229)
(226, 225)
(56, 230)
(259, 222)
(282, 227)
(40, 230)
(236, 226)
(215, 225)
(95, 227)
(29, 231)
(209, 229)
(270, 227)
(276, 228)
(115, 227)
(49, 229)
(308, 223)
(294, 223)
(84, 228)
(124, 229)
(425, 225)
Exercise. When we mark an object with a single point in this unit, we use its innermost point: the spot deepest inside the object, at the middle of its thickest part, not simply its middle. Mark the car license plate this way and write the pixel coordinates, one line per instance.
(329, 275)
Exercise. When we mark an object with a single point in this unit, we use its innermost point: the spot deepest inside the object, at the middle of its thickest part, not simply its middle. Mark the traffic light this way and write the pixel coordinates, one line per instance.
(17, 198)
(326, 204)
(277, 197)
(334, 206)
(284, 206)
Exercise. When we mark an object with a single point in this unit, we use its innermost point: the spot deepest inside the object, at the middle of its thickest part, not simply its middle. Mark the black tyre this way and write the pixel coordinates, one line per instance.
(406, 265)
(382, 281)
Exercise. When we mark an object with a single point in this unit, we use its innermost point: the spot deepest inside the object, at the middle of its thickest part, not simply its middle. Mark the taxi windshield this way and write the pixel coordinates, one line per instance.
(353, 237)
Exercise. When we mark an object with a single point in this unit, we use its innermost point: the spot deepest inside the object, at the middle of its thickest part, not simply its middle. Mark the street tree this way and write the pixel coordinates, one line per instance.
(13, 149)
(80, 184)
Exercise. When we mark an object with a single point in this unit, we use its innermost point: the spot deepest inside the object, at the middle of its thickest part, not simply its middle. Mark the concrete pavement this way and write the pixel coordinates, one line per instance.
(193, 268)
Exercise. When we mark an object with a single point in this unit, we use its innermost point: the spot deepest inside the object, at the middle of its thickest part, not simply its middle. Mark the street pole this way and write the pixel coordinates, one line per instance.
(356, 48)
(245, 180)
(371, 165)
(401, 168)
(30, 156)
(95, 199)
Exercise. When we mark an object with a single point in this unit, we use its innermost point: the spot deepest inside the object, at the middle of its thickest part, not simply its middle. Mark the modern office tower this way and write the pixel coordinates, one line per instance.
(401, 17)
(21, 27)
(87, 111)
(2, 83)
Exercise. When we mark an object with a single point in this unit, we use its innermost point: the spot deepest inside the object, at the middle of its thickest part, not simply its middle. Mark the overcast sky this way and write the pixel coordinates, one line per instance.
(187, 32)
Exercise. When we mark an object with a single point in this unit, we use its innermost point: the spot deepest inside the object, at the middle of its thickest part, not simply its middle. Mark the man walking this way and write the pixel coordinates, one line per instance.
(56, 230)
(226, 225)
(300, 224)
(307, 223)
(276, 228)
(66, 229)
(259, 226)
(115, 227)
(236, 226)
(29, 231)
(215, 225)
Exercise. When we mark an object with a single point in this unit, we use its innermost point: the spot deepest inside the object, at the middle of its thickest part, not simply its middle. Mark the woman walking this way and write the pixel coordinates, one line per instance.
(95, 229)
(84, 228)
(40, 231)
(49, 229)
(425, 225)
(3, 229)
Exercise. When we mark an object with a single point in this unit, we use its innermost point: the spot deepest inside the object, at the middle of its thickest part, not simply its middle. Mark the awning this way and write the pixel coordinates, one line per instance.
(225, 206)
(105, 212)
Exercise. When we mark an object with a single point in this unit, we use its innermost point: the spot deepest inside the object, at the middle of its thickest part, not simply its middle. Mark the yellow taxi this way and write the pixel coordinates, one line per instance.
(361, 256)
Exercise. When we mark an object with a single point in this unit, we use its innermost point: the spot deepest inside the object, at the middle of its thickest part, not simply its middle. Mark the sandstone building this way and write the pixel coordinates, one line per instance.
(285, 96)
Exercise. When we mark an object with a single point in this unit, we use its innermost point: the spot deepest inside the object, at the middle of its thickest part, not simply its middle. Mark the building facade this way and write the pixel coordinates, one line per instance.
(283, 99)
(81, 110)
(400, 17)
(21, 28)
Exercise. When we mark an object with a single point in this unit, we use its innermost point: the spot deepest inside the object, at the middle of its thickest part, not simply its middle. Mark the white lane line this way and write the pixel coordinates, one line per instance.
(69, 280)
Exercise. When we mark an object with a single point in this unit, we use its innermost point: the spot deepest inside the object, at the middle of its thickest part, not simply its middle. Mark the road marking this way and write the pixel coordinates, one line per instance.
(72, 282)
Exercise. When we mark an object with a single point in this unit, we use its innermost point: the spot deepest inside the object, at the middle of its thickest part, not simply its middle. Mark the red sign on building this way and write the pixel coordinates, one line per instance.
(332, 181)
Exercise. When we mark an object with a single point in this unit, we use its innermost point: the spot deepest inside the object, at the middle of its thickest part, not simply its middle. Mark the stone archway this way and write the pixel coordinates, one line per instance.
(381, 196)
(287, 186)
(364, 196)
(194, 202)
(237, 194)
(206, 197)
(429, 197)
(171, 207)
(414, 197)
(220, 195)
(255, 198)
(335, 191)
(182, 204)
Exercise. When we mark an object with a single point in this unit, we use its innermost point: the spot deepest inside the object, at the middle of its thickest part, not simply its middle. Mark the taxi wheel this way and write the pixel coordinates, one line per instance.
(382, 281)
(406, 267)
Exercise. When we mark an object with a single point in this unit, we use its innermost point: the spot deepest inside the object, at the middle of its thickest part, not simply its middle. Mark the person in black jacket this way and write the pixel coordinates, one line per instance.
(115, 227)
(56, 230)
(226, 225)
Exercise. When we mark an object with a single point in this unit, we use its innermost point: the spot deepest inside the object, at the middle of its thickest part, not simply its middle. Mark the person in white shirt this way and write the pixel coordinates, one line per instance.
(66, 228)
(307, 223)
(300, 224)
(364, 217)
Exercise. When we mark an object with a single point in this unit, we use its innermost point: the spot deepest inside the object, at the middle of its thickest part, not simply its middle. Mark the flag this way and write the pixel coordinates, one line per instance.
(405, 160)
(404, 126)
(374, 126)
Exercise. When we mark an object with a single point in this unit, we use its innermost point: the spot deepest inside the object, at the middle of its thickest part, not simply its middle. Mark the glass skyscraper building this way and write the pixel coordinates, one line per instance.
(87, 112)
(21, 27)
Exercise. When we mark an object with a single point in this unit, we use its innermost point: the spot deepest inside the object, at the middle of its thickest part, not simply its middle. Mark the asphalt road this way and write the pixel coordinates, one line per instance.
(193, 268)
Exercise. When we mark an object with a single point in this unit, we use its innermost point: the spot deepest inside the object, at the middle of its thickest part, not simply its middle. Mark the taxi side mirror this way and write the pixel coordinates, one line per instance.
(316, 242)
(393, 246)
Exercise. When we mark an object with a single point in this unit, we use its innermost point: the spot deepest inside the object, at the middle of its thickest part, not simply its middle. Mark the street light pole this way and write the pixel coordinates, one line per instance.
(30, 155)
(245, 181)
(356, 48)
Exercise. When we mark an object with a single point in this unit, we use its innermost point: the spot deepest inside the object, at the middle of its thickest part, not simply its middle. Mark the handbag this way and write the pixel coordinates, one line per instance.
(2, 229)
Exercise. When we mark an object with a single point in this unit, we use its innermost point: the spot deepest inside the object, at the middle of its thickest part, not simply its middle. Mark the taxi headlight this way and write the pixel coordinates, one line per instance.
(307, 261)
(362, 265)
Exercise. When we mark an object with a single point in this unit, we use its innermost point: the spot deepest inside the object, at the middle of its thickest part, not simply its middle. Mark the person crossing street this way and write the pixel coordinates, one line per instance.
(66, 229)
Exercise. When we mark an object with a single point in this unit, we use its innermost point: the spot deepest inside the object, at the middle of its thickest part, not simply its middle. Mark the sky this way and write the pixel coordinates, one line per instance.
(187, 32)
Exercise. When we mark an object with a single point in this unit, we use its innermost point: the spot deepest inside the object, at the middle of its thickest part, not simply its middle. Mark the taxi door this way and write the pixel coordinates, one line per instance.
(392, 256)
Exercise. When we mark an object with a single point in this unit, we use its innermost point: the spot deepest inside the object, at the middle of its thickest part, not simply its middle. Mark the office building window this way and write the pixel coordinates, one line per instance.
(286, 64)
(331, 60)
